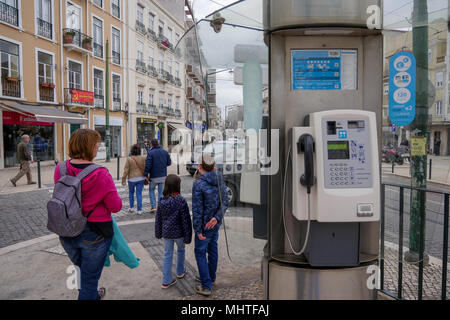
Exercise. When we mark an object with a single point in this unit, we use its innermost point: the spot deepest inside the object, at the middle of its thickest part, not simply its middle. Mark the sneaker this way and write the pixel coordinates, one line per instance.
(131, 210)
(202, 291)
(101, 293)
(197, 278)
(181, 276)
(152, 209)
(13, 183)
(165, 286)
(139, 212)
(32, 182)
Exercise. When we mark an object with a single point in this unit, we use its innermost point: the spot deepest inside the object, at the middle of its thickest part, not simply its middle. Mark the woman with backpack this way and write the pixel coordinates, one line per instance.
(134, 171)
(173, 223)
(99, 198)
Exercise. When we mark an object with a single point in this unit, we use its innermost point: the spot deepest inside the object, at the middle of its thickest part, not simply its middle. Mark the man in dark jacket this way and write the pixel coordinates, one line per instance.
(156, 165)
(209, 203)
(24, 157)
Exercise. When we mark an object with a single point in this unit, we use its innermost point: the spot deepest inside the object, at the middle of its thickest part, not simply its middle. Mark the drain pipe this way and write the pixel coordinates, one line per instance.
(61, 68)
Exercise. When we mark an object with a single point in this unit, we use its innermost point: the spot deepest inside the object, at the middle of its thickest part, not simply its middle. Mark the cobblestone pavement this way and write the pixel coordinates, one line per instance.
(432, 278)
(253, 290)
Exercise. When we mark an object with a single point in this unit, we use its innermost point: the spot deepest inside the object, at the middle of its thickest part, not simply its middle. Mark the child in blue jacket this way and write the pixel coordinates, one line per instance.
(209, 203)
(173, 223)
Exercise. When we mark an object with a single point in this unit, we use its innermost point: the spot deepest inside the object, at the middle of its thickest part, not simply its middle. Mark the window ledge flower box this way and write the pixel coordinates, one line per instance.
(14, 79)
(48, 85)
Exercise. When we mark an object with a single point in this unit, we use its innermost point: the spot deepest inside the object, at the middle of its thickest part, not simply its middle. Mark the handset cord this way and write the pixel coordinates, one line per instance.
(223, 215)
(283, 205)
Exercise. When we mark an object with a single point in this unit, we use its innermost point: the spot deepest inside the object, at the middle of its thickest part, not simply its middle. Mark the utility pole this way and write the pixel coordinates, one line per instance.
(108, 134)
(420, 129)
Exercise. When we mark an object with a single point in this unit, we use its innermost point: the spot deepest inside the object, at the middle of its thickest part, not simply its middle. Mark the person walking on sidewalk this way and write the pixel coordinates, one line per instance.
(156, 165)
(209, 203)
(99, 198)
(173, 224)
(134, 171)
(25, 158)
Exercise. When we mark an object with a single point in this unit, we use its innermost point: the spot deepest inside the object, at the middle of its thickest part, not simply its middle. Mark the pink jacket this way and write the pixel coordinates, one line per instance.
(97, 191)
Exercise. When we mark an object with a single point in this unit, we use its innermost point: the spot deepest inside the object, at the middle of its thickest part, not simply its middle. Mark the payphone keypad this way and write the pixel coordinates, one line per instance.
(346, 152)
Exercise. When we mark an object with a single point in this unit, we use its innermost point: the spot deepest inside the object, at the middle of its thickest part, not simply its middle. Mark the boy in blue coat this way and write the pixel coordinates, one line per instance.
(209, 203)
(156, 165)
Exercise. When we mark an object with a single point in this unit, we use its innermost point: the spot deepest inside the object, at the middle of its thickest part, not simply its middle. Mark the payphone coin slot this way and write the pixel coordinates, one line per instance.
(331, 128)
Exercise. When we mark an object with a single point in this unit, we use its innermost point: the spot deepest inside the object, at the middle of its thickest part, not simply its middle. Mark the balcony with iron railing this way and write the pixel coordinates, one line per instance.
(141, 107)
(99, 101)
(177, 82)
(116, 103)
(151, 70)
(115, 57)
(152, 109)
(78, 98)
(151, 34)
(140, 66)
(9, 14)
(98, 50)
(11, 87)
(162, 110)
(47, 92)
(162, 75)
(140, 27)
(75, 40)
(164, 43)
(44, 28)
(178, 113)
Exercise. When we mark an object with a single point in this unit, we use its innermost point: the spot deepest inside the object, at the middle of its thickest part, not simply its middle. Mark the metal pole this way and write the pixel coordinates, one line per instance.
(431, 161)
(108, 134)
(393, 164)
(39, 173)
(420, 128)
(178, 164)
(118, 167)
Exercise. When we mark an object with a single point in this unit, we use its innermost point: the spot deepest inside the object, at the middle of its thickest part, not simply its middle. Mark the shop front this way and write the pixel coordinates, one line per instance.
(115, 129)
(36, 121)
(146, 130)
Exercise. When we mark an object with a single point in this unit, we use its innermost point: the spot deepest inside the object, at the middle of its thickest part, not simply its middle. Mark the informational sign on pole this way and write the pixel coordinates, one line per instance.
(402, 88)
(418, 146)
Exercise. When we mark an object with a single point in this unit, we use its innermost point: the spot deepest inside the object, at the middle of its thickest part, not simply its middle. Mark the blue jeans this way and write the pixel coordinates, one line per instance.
(207, 267)
(88, 252)
(139, 185)
(152, 192)
(168, 255)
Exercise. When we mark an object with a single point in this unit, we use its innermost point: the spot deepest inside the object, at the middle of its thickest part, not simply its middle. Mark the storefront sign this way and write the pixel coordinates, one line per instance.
(402, 88)
(146, 120)
(113, 121)
(82, 96)
(418, 146)
(18, 118)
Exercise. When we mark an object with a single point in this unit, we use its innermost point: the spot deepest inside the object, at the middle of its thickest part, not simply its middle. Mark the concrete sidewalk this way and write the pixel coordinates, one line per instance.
(39, 270)
(48, 169)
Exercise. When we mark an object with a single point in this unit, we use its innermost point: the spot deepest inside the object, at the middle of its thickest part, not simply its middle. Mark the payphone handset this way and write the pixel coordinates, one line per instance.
(335, 162)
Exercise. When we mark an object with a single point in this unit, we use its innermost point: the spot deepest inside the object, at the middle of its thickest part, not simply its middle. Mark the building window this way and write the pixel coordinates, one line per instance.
(438, 108)
(151, 57)
(10, 68)
(115, 47)
(98, 37)
(151, 98)
(115, 8)
(9, 12)
(161, 62)
(161, 100)
(169, 101)
(439, 80)
(140, 95)
(177, 70)
(161, 28)
(169, 66)
(140, 51)
(151, 21)
(73, 17)
(116, 91)
(45, 76)
(98, 3)
(75, 75)
(140, 14)
(177, 38)
(44, 18)
(169, 34)
(99, 95)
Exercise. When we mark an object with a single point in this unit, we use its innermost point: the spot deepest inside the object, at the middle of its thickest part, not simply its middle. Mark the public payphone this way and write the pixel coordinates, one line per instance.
(335, 181)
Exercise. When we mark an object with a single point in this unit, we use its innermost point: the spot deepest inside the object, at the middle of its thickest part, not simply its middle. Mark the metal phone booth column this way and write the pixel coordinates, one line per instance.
(323, 57)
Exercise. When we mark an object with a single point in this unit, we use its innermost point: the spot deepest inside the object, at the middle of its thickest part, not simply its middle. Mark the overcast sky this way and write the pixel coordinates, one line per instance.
(396, 13)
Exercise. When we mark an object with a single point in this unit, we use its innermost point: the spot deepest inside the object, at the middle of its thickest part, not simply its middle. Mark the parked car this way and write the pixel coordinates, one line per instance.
(233, 150)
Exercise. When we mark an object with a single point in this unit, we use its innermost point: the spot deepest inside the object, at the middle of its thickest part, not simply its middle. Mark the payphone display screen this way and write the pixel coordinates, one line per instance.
(338, 150)
(347, 153)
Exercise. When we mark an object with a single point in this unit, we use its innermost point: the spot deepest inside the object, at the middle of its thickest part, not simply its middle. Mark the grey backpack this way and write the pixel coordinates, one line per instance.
(65, 217)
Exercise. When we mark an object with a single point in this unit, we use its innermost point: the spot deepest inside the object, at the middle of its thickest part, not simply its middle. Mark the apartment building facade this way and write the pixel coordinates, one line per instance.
(156, 73)
(53, 74)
